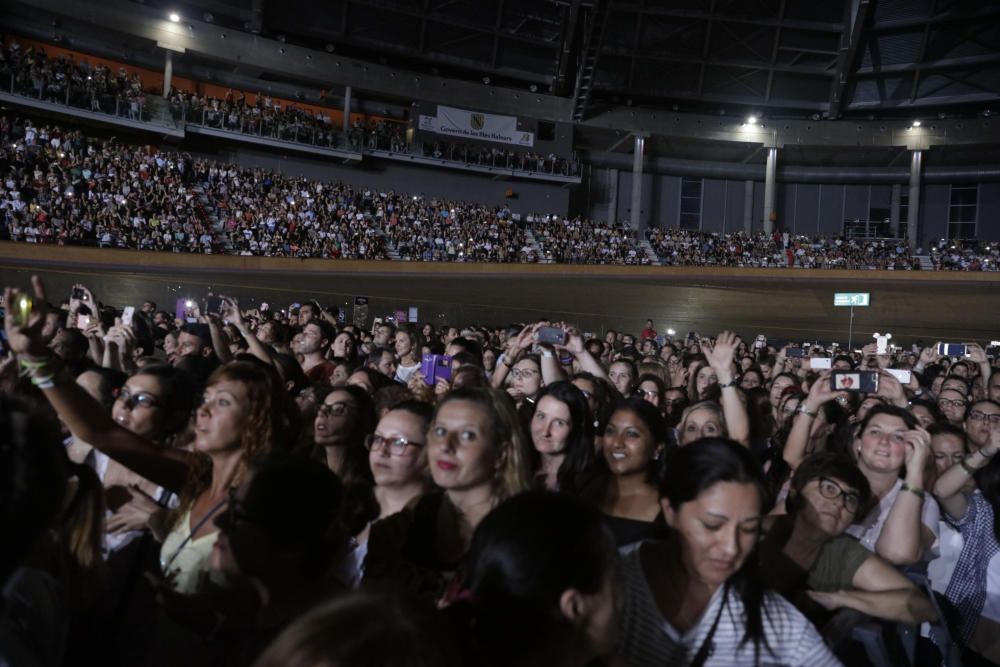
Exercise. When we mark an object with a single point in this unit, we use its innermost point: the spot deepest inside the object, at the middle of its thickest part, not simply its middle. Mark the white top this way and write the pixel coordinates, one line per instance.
(867, 530)
(991, 610)
(646, 639)
(403, 373)
(949, 546)
(187, 561)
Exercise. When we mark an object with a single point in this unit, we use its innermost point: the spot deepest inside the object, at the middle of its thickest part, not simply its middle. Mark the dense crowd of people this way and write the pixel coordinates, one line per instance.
(677, 247)
(64, 187)
(956, 256)
(219, 485)
(31, 72)
(579, 241)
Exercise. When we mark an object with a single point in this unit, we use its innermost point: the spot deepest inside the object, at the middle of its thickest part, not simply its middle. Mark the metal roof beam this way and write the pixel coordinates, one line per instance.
(568, 50)
(720, 62)
(941, 63)
(850, 41)
(695, 15)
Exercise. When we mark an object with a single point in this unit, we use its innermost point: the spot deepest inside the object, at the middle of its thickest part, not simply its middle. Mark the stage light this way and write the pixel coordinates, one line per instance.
(175, 17)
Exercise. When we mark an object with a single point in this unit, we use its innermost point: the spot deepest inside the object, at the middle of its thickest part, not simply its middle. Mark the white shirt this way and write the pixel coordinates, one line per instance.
(867, 530)
(646, 639)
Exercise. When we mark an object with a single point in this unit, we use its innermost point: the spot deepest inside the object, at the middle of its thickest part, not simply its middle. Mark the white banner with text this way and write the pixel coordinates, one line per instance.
(476, 125)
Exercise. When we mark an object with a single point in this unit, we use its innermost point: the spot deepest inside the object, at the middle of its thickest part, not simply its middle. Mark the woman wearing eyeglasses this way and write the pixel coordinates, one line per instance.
(806, 556)
(397, 456)
(343, 420)
(478, 457)
(243, 414)
(156, 404)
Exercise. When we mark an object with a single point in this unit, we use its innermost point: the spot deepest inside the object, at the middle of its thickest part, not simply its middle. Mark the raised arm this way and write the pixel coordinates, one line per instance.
(232, 314)
(585, 360)
(948, 487)
(82, 414)
(797, 444)
(720, 358)
(904, 538)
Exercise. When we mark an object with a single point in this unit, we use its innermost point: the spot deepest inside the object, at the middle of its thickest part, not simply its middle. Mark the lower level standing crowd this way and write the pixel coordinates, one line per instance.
(261, 487)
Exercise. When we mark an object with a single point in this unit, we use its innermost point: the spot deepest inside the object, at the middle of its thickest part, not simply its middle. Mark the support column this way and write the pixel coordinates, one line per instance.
(897, 196)
(913, 206)
(612, 195)
(748, 206)
(640, 145)
(347, 109)
(769, 178)
(168, 72)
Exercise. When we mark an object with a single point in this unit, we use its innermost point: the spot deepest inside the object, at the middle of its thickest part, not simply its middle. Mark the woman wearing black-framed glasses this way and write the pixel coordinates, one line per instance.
(398, 460)
(806, 555)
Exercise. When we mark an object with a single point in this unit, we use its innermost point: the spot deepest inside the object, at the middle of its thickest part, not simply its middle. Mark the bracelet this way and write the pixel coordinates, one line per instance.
(968, 468)
(917, 491)
(731, 383)
(804, 410)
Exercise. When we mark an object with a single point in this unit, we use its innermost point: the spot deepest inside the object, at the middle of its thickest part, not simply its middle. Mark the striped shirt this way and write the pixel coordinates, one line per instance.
(646, 639)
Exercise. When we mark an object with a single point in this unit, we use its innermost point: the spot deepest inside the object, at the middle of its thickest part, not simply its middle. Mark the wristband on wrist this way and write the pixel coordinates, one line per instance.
(967, 467)
(731, 383)
(917, 491)
(803, 409)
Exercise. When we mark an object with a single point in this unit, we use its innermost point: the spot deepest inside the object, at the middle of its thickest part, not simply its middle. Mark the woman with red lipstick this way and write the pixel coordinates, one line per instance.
(478, 457)
(806, 556)
(696, 598)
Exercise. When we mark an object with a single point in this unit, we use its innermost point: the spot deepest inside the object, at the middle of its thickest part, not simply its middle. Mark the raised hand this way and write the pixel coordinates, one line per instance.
(720, 354)
(27, 338)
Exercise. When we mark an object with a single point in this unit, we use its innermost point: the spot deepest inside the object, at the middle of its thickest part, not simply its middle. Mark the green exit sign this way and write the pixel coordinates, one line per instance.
(852, 299)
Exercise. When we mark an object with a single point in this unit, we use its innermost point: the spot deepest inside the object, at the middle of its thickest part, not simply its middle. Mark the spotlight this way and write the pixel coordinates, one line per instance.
(671, 332)
(916, 123)
(751, 120)
(486, 80)
(533, 88)
(330, 48)
(174, 17)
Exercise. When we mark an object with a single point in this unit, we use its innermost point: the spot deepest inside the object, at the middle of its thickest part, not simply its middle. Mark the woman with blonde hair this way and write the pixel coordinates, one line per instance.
(477, 455)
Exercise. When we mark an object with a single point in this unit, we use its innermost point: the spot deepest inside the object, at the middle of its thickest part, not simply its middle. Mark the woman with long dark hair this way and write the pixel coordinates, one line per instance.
(541, 572)
(695, 598)
(562, 435)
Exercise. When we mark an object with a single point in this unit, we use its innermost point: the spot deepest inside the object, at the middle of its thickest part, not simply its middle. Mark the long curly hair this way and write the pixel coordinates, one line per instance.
(272, 423)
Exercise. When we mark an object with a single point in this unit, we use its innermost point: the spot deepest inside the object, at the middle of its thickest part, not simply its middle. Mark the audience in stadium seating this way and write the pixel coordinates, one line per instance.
(29, 71)
(677, 247)
(64, 187)
(578, 241)
(465, 538)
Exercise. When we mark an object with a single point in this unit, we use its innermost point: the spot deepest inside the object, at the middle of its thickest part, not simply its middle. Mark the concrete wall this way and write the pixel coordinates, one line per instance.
(529, 197)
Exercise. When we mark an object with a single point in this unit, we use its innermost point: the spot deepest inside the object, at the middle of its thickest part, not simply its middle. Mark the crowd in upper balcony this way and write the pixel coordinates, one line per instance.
(31, 72)
(681, 247)
(61, 186)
